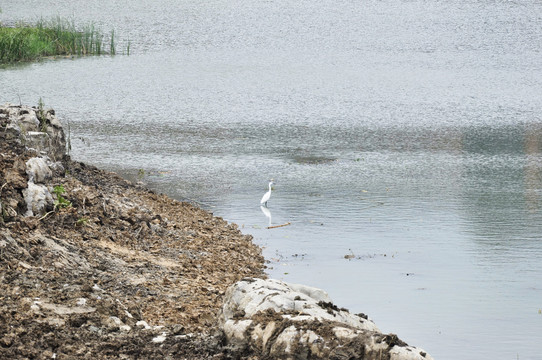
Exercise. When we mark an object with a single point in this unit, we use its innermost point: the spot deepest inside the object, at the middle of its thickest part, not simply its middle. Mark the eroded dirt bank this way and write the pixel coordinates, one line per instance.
(116, 271)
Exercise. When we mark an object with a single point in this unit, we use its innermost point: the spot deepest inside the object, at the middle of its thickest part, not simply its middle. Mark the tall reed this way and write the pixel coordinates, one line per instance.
(112, 50)
(48, 38)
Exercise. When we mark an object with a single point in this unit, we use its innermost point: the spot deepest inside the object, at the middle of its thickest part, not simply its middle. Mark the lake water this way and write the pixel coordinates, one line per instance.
(404, 138)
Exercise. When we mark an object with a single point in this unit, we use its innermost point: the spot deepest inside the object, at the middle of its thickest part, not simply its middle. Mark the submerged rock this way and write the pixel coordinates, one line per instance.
(281, 320)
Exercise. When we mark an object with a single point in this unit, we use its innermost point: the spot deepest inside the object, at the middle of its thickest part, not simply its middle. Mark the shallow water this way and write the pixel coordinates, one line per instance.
(404, 138)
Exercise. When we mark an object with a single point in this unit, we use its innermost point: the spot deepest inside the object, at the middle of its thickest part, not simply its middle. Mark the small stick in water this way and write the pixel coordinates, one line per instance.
(277, 226)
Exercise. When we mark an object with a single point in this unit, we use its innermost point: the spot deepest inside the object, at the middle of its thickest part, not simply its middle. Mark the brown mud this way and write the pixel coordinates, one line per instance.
(114, 272)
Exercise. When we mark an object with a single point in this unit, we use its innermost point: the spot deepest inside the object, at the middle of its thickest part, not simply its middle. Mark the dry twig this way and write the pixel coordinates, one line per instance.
(277, 226)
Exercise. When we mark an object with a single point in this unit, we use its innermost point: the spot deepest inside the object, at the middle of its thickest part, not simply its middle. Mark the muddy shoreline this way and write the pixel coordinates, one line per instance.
(93, 266)
(117, 271)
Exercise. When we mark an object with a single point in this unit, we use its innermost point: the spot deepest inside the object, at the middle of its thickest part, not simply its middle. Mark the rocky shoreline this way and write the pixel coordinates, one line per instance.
(93, 266)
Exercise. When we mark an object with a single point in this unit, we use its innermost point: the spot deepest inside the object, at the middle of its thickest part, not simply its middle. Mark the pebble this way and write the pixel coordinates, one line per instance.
(144, 324)
(159, 339)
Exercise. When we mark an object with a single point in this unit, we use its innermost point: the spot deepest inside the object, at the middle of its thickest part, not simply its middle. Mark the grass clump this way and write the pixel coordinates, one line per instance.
(50, 38)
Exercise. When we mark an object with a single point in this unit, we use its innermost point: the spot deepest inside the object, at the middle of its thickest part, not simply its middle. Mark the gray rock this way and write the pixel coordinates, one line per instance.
(28, 121)
(290, 321)
(37, 170)
(310, 303)
(38, 199)
(38, 141)
(45, 137)
(13, 131)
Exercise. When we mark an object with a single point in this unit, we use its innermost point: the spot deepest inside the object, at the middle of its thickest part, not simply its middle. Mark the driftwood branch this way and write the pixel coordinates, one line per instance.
(277, 226)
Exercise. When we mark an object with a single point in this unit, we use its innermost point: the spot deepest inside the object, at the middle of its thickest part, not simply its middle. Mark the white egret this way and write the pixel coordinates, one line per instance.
(267, 195)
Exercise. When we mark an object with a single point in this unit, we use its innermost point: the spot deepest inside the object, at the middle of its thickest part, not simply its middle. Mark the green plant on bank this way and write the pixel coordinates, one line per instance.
(50, 38)
(60, 201)
(82, 221)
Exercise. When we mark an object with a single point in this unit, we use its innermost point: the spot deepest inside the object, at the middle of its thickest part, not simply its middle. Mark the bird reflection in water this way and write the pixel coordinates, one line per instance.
(267, 213)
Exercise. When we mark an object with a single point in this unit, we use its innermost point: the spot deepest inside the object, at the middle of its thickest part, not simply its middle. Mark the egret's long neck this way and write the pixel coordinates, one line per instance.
(270, 186)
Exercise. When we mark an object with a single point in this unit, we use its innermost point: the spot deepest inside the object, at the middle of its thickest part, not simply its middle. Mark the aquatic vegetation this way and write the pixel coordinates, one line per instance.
(112, 50)
(50, 38)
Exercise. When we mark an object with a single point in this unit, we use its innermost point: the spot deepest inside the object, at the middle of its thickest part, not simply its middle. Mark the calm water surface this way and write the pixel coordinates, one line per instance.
(404, 135)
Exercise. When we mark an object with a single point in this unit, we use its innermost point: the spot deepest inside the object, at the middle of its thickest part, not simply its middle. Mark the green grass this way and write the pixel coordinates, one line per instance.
(51, 38)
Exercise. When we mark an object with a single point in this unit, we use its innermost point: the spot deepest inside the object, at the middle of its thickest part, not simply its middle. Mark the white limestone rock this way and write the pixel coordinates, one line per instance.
(160, 338)
(290, 321)
(38, 199)
(13, 131)
(28, 120)
(37, 129)
(37, 170)
(296, 302)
